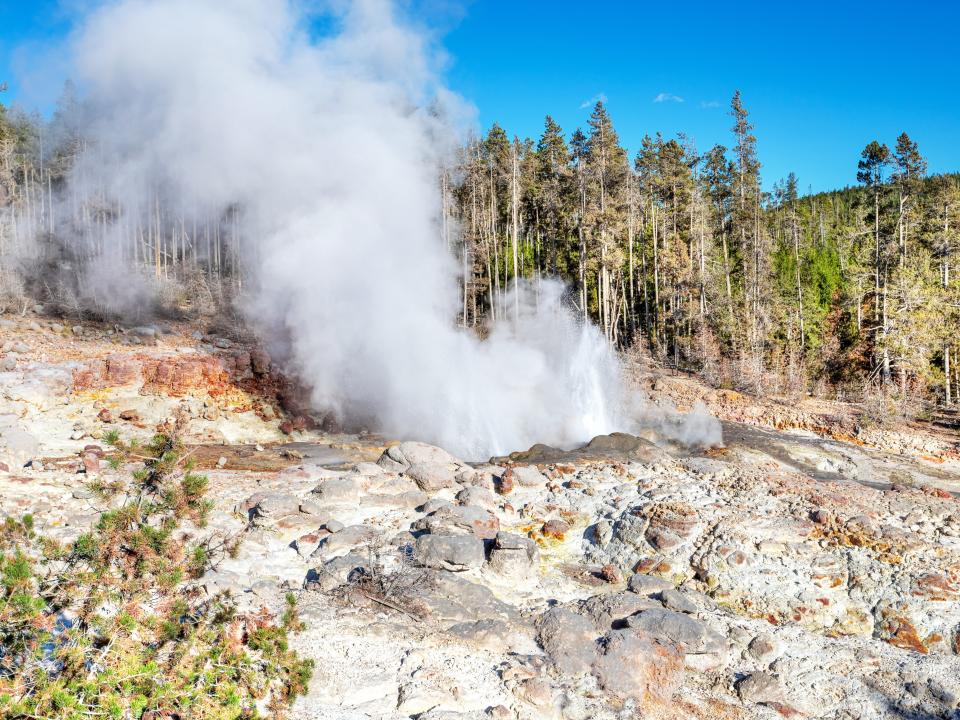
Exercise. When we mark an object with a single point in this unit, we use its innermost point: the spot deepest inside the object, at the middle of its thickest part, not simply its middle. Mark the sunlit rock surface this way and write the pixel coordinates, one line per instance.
(789, 573)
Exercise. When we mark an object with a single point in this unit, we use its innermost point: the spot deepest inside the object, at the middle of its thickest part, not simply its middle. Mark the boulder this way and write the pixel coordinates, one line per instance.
(678, 601)
(432, 476)
(535, 691)
(459, 519)
(528, 476)
(306, 544)
(337, 490)
(607, 610)
(450, 597)
(514, 556)
(450, 552)
(479, 496)
(647, 584)
(336, 572)
(90, 463)
(492, 634)
(267, 508)
(760, 687)
(346, 539)
(634, 665)
(259, 361)
(611, 573)
(555, 528)
(568, 638)
(400, 457)
(667, 626)
(764, 648)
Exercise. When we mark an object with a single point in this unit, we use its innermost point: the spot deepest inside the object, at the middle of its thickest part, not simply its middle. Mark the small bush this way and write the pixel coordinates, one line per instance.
(108, 628)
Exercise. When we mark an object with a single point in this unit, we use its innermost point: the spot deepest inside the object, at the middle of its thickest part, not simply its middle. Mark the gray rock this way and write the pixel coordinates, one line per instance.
(605, 610)
(479, 496)
(392, 460)
(459, 519)
(434, 504)
(678, 601)
(346, 539)
(267, 508)
(307, 544)
(409, 499)
(634, 665)
(514, 556)
(144, 331)
(450, 552)
(434, 714)
(629, 530)
(450, 597)
(333, 526)
(400, 457)
(432, 476)
(528, 476)
(334, 573)
(8, 363)
(218, 581)
(947, 695)
(648, 584)
(760, 687)
(535, 691)
(602, 533)
(337, 490)
(568, 638)
(490, 633)
(309, 508)
(669, 626)
(764, 648)
(486, 476)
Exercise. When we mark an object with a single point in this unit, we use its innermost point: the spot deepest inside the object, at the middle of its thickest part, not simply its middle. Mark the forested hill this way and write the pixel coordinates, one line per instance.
(677, 249)
(680, 248)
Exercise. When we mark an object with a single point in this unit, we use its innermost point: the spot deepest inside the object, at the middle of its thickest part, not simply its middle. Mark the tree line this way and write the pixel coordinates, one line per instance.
(684, 252)
(677, 250)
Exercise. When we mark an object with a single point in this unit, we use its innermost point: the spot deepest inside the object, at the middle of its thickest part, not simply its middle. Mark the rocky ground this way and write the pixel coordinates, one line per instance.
(808, 568)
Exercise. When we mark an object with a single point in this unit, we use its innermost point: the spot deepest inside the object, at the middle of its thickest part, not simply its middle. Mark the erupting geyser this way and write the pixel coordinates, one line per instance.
(324, 152)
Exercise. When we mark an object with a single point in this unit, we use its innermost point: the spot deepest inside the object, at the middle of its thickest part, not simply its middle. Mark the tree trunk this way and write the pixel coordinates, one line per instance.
(796, 252)
(946, 375)
(515, 207)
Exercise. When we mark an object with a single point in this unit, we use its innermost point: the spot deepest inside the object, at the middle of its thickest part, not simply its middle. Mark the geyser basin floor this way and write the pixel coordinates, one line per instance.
(838, 595)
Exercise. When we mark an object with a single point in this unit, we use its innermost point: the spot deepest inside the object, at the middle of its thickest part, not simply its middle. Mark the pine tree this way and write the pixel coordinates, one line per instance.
(747, 231)
(870, 172)
(910, 169)
(553, 192)
(608, 172)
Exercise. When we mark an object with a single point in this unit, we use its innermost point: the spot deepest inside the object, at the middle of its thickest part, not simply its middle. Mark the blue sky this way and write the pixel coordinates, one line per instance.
(821, 79)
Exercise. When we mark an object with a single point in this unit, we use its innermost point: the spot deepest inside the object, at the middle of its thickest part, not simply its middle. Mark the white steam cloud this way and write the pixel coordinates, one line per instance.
(325, 154)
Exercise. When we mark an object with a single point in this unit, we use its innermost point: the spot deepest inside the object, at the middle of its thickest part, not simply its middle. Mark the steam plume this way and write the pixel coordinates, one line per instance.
(324, 152)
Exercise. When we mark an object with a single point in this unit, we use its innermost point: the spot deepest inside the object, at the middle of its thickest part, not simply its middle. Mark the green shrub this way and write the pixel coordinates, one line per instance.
(108, 628)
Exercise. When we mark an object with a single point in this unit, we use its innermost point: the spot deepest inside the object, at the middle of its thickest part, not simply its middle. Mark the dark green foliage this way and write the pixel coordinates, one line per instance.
(106, 627)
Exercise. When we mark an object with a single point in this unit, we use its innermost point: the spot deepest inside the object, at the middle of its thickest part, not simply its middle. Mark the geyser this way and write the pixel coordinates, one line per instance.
(325, 154)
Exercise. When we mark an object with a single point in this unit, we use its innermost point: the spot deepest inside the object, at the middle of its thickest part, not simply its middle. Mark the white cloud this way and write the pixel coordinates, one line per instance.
(667, 97)
(599, 97)
(709, 103)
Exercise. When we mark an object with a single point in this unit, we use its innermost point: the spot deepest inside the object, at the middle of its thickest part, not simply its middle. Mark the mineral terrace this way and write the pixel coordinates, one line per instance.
(810, 567)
